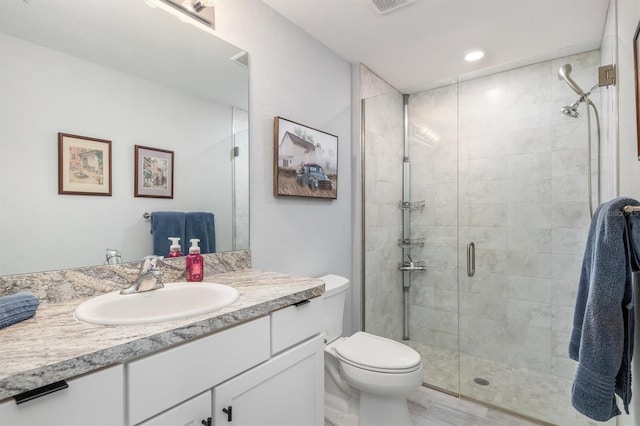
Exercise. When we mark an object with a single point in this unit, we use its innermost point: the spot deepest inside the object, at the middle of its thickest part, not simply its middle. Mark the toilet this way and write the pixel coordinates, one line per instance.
(366, 376)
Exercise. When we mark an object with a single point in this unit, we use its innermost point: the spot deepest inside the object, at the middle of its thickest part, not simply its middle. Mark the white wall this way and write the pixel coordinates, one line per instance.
(629, 166)
(293, 76)
(628, 15)
(43, 92)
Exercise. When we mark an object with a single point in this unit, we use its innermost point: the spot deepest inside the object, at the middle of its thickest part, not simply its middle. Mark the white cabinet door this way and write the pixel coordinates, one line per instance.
(190, 413)
(93, 399)
(163, 380)
(286, 390)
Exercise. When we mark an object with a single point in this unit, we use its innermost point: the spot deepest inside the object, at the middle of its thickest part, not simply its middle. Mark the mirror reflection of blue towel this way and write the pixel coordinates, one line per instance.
(200, 225)
(165, 225)
(17, 307)
(185, 226)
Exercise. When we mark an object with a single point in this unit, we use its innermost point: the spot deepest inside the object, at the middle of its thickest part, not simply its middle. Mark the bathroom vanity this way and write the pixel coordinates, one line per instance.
(257, 361)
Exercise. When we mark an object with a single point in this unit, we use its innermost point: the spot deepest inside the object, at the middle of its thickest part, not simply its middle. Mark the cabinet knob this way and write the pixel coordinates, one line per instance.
(228, 412)
(207, 422)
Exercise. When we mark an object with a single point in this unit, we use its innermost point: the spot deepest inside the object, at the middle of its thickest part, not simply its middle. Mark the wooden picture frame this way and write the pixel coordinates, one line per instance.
(153, 172)
(84, 165)
(636, 73)
(305, 161)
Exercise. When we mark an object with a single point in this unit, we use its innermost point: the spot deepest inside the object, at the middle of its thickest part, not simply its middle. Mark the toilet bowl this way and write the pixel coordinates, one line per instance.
(366, 376)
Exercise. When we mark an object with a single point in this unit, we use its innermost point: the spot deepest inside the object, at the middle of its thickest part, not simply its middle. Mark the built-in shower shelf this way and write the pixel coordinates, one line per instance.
(412, 266)
(411, 242)
(411, 205)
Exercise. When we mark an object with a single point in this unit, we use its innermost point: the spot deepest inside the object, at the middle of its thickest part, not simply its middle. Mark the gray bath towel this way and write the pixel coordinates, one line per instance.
(602, 337)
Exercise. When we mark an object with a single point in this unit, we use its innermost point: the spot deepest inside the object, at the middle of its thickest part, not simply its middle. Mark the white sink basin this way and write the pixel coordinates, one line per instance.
(174, 301)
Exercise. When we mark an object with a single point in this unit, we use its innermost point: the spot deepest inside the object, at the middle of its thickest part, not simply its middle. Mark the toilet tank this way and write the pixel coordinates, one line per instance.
(335, 296)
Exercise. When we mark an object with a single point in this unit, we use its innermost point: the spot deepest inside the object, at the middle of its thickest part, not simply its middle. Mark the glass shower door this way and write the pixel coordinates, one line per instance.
(524, 204)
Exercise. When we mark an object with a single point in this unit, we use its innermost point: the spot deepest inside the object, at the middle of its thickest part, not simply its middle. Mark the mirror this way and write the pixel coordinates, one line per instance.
(120, 71)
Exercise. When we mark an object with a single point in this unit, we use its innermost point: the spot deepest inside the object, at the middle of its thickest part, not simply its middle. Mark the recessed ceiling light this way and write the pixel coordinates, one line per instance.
(474, 55)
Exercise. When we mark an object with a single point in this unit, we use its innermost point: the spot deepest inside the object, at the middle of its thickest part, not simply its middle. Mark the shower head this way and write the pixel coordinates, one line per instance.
(564, 73)
(571, 110)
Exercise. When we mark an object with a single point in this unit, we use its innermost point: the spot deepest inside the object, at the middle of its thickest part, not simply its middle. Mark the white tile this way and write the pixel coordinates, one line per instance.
(569, 240)
(569, 162)
(529, 190)
(529, 166)
(530, 239)
(529, 264)
(529, 288)
(487, 214)
(529, 313)
(536, 215)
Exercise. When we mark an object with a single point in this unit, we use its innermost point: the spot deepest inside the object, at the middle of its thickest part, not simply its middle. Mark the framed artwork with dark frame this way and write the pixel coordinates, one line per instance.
(153, 172)
(305, 161)
(636, 73)
(84, 165)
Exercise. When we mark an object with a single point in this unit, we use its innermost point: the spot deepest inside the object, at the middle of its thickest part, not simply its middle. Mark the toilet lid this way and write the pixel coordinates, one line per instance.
(377, 353)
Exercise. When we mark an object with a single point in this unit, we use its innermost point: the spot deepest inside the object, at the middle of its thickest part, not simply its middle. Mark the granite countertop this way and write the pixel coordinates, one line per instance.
(54, 346)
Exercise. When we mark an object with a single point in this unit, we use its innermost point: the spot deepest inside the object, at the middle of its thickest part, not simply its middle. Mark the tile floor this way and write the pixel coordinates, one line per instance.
(429, 407)
(536, 395)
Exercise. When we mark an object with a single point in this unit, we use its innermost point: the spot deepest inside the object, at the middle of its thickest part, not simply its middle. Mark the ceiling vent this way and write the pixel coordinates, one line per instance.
(385, 6)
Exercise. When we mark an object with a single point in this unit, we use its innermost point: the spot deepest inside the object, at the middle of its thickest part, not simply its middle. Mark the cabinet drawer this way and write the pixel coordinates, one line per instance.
(93, 399)
(167, 378)
(189, 413)
(294, 324)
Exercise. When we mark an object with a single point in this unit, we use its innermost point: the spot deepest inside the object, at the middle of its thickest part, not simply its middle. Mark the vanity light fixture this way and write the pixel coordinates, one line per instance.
(195, 12)
(474, 55)
(195, 5)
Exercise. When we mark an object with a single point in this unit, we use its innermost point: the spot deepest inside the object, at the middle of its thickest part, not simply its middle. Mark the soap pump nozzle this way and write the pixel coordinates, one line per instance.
(174, 250)
(195, 248)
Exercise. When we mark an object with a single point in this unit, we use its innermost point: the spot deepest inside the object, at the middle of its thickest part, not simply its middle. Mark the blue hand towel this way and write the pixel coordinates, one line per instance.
(201, 225)
(602, 337)
(165, 225)
(17, 307)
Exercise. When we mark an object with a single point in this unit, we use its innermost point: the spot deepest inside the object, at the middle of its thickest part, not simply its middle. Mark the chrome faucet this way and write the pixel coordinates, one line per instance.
(149, 277)
(112, 257)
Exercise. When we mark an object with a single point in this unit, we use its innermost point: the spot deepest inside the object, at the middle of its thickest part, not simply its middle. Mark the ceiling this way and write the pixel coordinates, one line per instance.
(422, 45)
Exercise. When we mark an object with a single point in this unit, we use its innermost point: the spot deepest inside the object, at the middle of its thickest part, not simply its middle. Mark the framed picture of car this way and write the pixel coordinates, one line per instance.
(305, 161)
(153, 172)
(84, 165)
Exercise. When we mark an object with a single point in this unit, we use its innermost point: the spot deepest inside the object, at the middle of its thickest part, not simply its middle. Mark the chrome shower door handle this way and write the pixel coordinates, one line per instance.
(471, 259)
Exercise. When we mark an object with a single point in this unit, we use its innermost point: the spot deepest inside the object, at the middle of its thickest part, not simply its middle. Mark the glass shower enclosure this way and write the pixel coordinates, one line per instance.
(503, 177)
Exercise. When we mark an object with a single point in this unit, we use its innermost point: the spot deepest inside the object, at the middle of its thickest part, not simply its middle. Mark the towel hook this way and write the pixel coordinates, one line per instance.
(146, 215)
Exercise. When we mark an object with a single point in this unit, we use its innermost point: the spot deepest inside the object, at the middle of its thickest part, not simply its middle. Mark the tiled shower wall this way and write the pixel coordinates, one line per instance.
(499, 165)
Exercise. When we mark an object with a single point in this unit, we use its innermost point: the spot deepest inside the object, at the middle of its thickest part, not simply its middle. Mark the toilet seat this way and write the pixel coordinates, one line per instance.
(378, 354)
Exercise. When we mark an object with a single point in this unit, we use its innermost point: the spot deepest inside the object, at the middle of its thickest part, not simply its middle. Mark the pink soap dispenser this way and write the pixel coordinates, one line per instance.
(195, 262)
(174, 250)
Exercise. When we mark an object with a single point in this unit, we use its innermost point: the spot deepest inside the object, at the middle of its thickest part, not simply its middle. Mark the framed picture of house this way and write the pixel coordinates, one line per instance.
(84, 165)
(305, 161)
(153, 172)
